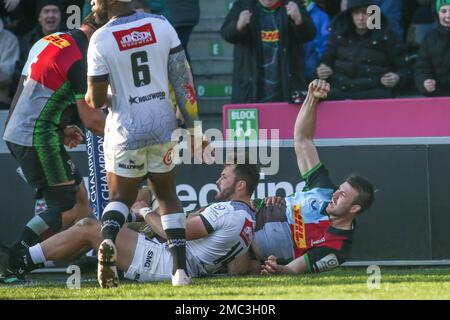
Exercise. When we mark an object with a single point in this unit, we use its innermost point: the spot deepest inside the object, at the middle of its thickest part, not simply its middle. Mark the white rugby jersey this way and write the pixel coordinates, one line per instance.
(133, 51)
(233, 223)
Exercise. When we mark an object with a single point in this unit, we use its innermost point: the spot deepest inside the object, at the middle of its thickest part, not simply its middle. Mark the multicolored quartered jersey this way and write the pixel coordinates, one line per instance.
(311, 235)
(56, 76)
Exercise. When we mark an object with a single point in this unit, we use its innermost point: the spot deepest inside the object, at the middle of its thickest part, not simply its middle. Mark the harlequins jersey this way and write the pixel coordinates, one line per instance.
(55, 77)
(307, 226)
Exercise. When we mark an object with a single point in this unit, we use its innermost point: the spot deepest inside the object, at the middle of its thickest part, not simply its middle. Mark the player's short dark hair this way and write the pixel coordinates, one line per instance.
(365, 189)
(247, 172)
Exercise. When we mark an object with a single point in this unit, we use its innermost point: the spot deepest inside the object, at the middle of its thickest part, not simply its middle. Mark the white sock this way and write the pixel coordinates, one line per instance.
(36, 254)
(49, 264)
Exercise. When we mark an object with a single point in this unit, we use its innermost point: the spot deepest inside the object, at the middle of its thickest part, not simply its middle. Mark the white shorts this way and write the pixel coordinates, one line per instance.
(137, 163)
(152, 261)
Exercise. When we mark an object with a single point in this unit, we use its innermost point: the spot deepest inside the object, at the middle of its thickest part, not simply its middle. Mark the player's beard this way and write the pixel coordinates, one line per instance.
(227, 193)
(101, 12)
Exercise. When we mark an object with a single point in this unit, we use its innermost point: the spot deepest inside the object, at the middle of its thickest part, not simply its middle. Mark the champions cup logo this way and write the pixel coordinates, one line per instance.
(135, 37)
(270, 36)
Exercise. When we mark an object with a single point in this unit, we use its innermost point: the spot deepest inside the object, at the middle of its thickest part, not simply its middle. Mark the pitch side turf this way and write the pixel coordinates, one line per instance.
(406, 283)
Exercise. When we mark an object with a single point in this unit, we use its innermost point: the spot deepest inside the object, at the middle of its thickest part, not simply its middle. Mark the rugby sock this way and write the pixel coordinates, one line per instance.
(21, 261)
(114, 216)
(174, 226)
(36, 254)
(49, 264)
(34, 232)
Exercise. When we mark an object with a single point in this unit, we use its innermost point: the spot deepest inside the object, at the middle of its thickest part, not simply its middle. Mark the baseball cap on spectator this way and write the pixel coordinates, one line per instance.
(440, 3)
(42, 3)
(354, 4)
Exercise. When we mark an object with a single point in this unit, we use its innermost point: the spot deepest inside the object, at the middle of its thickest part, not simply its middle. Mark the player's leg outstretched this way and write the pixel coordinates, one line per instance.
(122, 194)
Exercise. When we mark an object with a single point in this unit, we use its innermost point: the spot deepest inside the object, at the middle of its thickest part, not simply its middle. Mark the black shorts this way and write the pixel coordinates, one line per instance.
(45, 166)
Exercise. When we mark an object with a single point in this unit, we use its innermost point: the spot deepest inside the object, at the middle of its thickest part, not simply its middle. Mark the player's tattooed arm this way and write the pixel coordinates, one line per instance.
(180, 76)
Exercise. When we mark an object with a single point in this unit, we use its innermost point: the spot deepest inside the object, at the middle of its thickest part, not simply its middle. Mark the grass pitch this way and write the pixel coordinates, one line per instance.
(396, 283)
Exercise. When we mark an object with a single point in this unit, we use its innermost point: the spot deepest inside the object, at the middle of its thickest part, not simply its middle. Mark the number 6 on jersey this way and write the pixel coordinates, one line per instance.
(140, 69)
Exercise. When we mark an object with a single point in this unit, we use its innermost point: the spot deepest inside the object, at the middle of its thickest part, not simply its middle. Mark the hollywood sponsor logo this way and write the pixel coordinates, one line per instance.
(135, 37)
(131, 165)
(161, 95)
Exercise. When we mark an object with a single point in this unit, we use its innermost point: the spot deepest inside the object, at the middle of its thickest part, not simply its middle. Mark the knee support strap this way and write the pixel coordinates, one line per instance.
(53, 218)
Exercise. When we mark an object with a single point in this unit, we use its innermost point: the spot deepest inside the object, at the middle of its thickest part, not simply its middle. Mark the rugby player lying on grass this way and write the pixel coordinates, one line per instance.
(313, 233)
(216, 235)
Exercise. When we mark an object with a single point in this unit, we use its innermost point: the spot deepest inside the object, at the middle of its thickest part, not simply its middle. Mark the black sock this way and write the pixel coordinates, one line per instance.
(40, 227)
(20, 261)
(112, 221)
(28, 239)
(176, 238)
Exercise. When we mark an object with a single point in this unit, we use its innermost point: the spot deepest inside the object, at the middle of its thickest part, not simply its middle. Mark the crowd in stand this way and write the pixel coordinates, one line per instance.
(402, 51)
(280, 45)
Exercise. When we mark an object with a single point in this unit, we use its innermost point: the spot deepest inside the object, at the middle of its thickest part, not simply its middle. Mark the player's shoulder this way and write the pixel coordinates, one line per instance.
(156, 17)
(221, 208)
(97, 35)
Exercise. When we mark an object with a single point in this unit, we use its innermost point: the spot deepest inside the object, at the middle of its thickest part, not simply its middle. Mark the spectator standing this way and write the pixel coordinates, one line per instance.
(9, 54)
(268, 36)
(362, 63)
(432, 73)
(421, 22)
(315, 49)
(185, 15)
(392, 9)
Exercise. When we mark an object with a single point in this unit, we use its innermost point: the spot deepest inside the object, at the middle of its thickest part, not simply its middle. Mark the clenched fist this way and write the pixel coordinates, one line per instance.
(319, 89)
(244, 20)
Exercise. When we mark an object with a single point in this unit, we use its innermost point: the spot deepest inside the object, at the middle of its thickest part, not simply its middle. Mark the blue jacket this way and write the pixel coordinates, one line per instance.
(315, 48)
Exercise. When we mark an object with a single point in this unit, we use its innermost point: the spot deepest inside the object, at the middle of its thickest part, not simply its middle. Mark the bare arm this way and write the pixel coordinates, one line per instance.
(270, 267)
(154, 220)
(180, 77)
(305, 127)
(243, 265)
(97, 93)
(93, 120)
(248, 263)
(195, 228)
